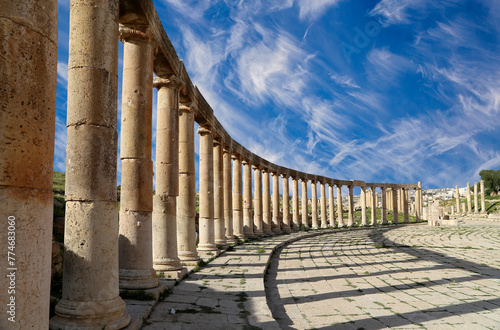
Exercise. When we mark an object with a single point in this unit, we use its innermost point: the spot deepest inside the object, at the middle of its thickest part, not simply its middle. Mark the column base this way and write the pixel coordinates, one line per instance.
(231, 240)
(222, 243)
(258, 233)
(286, 229)
(249, 234)
(295, 227)
(137, 279)
(167, 264)
(277, 230)
(189, 258)
(108, 314)
(268, 231)
(173, 274)
(207, 254)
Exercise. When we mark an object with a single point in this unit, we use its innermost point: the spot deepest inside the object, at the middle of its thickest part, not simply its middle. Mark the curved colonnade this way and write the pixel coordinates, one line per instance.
(156, 233)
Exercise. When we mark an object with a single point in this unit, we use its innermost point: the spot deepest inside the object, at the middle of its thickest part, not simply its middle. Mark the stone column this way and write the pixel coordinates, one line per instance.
(483, 204)
(186, 202)
(350, 219)
(165, 256)
(295, 201)
(228, 201)
(452, 210)
(340, 208)
(331, 206)
(476, 201)
(363, 206)
(219, 222)
(464, 210)
(266, 203)
(286, 205)
(324, 224)
(405, 205)
(206, 246)
(418, 193)
(237, 199)
(276, 203)
(395, 209)
(257, 202)
(247, 200)
(314, 205)
(457, 198)
(90, 282)
(420, 201)
(469, 201)
(400, 199)
(28, 78)
(384, 205)
(373, 220)
(305, 218)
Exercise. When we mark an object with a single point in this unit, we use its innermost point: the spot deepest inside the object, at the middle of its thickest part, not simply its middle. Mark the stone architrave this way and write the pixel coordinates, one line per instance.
(469, 199)
(247, 200)
(483, 204)
(266, 203)
(384, 205)
(324, 223)
(476, 201)
(28, 71)
(218, 175)
(350, 219)
(90, 297)
(363, 206)
(305, 211)
(286, 206)
(340, 208)
(373, 217)
(206, 246)
(295, 201)
(314, 205)
(228, 197)
(237, 198)
(257, 203)
(331, 205)
(165, 255)
(186, 201)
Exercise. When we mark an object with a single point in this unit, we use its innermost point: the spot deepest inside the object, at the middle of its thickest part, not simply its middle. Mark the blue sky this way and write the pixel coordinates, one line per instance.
(381, 91)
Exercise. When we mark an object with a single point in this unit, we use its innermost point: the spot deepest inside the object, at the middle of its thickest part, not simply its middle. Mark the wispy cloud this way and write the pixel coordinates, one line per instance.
(312, 9)
(62, 74)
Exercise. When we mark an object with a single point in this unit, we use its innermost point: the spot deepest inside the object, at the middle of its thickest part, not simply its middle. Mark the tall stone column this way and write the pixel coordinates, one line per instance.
(257, 203)
(206, 246)
(136, 201)
(331, 205)
(228, 200)
(266, 203)
(420, 200)
(165, 256)
(483, 204)
(476, 202)
(340, 208)
(395, 209)
(28, 78)
(186, 202)
(363, 206)
(90, 282)
(384, 205)
(286, 205)
(237, 198)
(276, 203)
(324, 223)
(350, 219)
(305, 211)
(314, 206)
(373, 218)
(219, 223)
(457, 198)
(400, 199)
(418, 215)
(295, 199)
(405, 205)
(469, 201)
(247, 200)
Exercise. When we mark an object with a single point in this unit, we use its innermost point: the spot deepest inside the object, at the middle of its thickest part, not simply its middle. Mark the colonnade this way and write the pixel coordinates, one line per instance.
(109, 247)
(466, 208)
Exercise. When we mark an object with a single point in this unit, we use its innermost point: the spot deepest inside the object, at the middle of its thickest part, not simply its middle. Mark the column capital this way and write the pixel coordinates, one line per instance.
(204, 130)
(284, 175)
(127, 32)
(172, 82)
(235, 157)
(245, 162)
(218, 142)
(187, 107)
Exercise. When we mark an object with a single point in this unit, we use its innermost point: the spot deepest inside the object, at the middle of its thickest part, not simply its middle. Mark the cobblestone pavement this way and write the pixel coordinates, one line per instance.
(399, 277)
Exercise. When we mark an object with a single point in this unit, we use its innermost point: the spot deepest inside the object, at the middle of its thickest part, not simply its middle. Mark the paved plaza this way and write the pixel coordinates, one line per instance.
(404, 277)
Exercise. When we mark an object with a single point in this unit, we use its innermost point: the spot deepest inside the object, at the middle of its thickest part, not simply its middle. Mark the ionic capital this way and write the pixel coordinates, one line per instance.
(285, 176)
(235, 157)
(186, 108)
(204, 130)
(130, 32)
(172, 82)
(218, 142)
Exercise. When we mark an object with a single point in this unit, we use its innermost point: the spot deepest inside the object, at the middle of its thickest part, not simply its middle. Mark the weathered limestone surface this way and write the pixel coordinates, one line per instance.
(257, 203)
(266, 203)
(395, 209)
(384, 206)
(476, 202)
(340, 208)
(28, 75)
(165, 256)
(324, 223)
(405, 206)
(350, 218)
(237, 198)
(373, 215)
(219, 224)
(276, 203)
(483, 204)
(286, 207)
(457, 198)
(331, 205)
(247, 200)
(305, 218)
(186, 202)
(295, 198)
(469, 199)
(363, 206)
(90, 283)
(228, 198)
(314, 202)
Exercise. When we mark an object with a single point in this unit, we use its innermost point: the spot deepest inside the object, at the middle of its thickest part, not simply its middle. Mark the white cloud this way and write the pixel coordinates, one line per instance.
(62, 74)
(312, 9)
(343, 80)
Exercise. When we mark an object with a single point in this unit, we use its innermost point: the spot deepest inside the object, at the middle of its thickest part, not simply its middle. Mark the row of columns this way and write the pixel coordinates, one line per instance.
(466, 208)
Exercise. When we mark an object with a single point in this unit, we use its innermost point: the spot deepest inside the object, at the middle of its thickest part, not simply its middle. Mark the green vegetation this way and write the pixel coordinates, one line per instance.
(491, 181)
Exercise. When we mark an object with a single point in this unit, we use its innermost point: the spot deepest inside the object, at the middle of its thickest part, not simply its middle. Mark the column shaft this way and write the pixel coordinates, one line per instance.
(305, 211)
(266, 203)
(165, 257)
(237, 198)
(247, 200)
(363, 206)
(476, 201)
(469, 201)
(295, 199)
(384, 205)
(286, 205)
(350, 219)
(395, 209)
(405, 205)
(373, 219)
(457, 199)
(219, 223)
(483, 204)
(276, 203)
(340, 209)
(228, 200)
(324, 224)
(90, 280)
(314, 205)
(257, 203)
(331, 205)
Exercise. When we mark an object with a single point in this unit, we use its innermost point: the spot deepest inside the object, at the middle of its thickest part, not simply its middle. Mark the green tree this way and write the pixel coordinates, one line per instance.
(491, 181)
